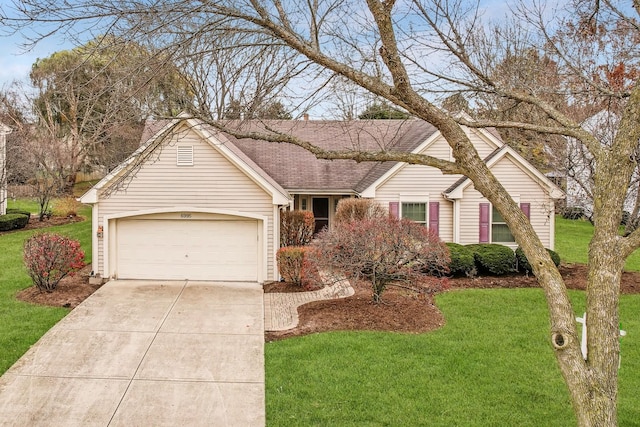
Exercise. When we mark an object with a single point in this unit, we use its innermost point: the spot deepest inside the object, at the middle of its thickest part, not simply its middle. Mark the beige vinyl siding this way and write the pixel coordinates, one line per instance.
(423, 180)
(212, 182)
(523, 188)
(480, 142)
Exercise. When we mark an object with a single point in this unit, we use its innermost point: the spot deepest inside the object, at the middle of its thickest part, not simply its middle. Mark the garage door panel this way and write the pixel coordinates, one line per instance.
(195, 250)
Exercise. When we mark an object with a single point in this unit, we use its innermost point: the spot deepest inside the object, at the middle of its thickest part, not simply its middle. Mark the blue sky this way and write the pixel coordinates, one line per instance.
(15, 63)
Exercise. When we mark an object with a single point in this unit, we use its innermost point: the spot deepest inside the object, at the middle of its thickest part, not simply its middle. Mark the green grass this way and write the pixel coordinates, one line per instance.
(30, 205)
(490, 365)
(22, 324)
(572, 243)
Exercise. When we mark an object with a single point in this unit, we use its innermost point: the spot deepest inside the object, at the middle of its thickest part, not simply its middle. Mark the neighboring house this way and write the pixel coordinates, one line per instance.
(579, 164)
(196, 203)
(4, 131)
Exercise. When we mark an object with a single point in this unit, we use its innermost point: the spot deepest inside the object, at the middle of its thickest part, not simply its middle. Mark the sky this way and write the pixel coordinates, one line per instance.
(15, 62)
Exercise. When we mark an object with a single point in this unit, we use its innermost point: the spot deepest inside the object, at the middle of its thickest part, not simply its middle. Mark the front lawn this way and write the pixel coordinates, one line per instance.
(22, 324)
(491, 364)
(572, 243)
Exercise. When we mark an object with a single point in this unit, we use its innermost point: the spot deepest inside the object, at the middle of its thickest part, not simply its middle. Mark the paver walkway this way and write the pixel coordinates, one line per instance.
(281, 309)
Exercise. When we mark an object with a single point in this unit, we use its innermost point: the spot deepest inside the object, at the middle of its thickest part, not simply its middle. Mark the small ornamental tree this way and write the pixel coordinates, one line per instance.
(385, 251)
(296, 228)
(51, 257)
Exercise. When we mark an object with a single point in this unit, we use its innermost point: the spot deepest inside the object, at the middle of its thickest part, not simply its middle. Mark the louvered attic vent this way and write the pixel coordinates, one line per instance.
(185, 155)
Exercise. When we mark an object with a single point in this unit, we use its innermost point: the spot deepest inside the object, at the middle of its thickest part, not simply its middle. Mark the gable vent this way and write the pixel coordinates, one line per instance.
(185, 155)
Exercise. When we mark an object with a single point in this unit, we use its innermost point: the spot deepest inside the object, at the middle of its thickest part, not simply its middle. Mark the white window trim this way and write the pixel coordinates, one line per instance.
(516, 199)
(415, 198)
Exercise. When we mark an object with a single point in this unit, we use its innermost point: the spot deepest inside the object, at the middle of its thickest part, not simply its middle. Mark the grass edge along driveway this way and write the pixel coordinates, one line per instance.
(22, 324)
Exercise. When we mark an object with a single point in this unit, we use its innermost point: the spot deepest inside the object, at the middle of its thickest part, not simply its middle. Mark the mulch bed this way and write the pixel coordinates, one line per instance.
(406, 312)
(34, 223)
(401, 311)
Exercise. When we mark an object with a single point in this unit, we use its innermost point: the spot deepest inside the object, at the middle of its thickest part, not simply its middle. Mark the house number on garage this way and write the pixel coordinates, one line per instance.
(185, 215)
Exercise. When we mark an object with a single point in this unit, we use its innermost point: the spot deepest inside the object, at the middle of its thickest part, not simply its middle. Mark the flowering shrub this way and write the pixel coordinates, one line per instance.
(50, 257)
(384, 251)
(296, 228)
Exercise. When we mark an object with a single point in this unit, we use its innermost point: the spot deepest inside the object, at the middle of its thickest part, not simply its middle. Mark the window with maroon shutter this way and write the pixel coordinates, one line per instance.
(484, 223)
(434, 217)
(526, 209)
(394, 209)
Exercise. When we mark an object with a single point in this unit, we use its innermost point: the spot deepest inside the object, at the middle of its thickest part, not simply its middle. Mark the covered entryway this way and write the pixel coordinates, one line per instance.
(191, 246)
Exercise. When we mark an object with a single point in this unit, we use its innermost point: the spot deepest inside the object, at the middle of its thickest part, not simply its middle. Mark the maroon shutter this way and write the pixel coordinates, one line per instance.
(394, 209)
(526, 209)
(434, 217)
(484, 222)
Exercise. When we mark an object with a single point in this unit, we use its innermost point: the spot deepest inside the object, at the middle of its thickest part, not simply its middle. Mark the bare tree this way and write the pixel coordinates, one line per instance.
(412, 53)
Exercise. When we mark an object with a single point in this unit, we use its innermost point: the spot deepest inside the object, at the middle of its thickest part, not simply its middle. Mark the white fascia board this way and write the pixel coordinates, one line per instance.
(91, 196)
(370, 191)
(534, 173)
(279, 195)
(488, 137)
(553, 189)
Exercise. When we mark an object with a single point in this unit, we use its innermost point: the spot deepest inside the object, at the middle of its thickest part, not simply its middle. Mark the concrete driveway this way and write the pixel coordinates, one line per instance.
(146, 353)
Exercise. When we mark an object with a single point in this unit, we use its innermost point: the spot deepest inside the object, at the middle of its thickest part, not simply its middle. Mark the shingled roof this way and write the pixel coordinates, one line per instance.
(294, 168)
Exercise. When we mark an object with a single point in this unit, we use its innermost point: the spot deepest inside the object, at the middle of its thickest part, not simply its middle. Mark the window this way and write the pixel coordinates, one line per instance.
(500, 232)
(185, 155)
(493, 225)
(415, 212)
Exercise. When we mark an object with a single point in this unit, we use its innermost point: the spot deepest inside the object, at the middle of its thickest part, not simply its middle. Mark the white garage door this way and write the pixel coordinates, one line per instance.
(194, 249)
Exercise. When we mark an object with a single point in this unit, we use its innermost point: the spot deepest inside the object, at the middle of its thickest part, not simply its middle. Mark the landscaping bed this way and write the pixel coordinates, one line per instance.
(401, 311)
(52, 221)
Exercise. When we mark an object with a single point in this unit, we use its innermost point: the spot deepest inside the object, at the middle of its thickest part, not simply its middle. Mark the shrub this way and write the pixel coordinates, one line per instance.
(462, 261)
(50, 257)
(290, 263)
(19, 211)
(523, 262)
(294, 266)
(492, 258)
(296, 228)
(66, 206)
(384, 251)
(358, 210)
(13, 221)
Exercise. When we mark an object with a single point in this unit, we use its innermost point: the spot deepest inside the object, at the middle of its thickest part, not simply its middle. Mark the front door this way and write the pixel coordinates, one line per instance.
(320, 208)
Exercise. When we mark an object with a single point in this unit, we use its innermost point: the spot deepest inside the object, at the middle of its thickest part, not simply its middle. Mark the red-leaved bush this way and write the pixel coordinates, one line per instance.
(294, 266)
(50, 257)
(296, 228)
(384, 251)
